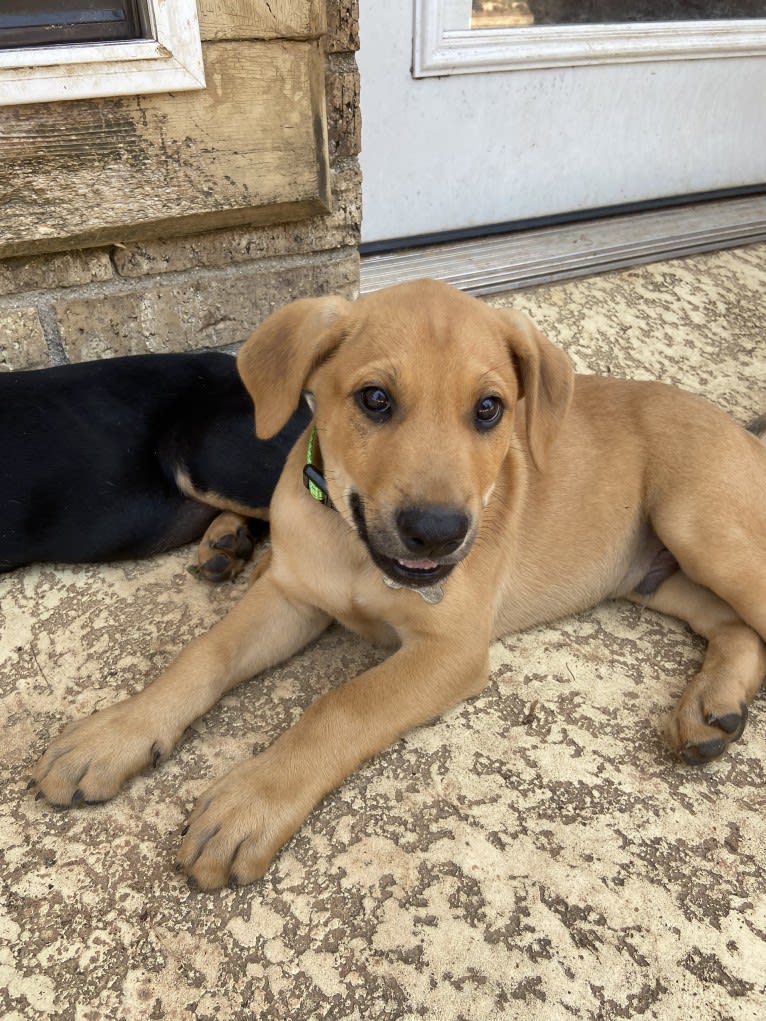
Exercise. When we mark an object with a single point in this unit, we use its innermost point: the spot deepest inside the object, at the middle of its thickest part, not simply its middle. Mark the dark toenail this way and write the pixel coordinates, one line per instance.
(219, 562)
(225, 542)
(78, 797)
(31, 784)
(39, 795)
(156, 755)
(743, 718)
(185, 830)
(713, 748)
(233, 881)
(245, 542)
(729, 722)
(706, 751)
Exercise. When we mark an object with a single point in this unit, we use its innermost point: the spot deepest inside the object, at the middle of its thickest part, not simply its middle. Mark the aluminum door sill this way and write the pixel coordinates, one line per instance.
(506, 262)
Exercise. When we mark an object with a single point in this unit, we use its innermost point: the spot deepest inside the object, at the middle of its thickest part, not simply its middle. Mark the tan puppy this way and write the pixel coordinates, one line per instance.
(477, 487)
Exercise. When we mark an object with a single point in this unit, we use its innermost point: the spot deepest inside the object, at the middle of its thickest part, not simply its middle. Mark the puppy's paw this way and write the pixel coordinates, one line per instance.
(237, 827)
(93, 757)
(225, 548)
(701, 733)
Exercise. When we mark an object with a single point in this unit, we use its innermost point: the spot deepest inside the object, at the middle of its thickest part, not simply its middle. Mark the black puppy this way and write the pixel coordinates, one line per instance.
(126, 457)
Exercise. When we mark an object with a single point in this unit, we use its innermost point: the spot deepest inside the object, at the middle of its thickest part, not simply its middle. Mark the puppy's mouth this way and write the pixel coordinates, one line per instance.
(411, 572)
(401, 571)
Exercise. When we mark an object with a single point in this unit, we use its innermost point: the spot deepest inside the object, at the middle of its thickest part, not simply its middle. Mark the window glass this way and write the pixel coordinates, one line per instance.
(53, 22)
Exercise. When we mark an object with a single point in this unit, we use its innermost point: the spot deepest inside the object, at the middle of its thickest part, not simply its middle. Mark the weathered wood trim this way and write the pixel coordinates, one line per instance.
(342, 26)
(251, 148)
(258, 19)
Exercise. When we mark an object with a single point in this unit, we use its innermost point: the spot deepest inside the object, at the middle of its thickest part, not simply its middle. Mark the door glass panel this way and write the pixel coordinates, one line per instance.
(524, 13)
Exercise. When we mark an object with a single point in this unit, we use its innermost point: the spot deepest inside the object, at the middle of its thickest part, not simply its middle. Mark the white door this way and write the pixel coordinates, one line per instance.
(464, 127)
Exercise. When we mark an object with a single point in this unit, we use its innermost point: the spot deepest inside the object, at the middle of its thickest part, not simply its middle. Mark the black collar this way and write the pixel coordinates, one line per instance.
(313, 479)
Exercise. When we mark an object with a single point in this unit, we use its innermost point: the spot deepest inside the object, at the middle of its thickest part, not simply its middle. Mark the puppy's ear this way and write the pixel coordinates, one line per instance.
(546, 378)
(278, 358)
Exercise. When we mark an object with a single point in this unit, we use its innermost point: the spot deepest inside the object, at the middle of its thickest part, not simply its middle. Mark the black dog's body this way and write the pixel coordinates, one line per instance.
(91, 455)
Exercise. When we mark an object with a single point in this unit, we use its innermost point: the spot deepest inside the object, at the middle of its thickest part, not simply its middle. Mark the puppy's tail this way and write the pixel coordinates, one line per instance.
(758, 427)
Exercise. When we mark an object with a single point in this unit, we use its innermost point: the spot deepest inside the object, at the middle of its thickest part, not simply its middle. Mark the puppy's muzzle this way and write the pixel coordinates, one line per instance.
(420, 546)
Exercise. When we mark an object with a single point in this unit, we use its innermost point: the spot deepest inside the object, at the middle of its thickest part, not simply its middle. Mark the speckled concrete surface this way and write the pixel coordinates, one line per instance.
(536, 854)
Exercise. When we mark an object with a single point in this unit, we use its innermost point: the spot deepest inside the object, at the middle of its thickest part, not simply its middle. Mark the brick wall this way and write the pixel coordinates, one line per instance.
(196, 291)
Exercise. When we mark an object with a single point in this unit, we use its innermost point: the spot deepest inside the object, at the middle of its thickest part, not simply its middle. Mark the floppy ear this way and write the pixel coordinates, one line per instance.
(278, 358)
(547, 382)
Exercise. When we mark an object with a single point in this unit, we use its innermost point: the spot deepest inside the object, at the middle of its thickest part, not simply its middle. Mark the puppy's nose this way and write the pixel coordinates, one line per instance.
(432, 531)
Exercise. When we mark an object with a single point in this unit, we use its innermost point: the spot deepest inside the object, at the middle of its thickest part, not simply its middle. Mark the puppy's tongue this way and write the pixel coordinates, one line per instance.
(418, 565)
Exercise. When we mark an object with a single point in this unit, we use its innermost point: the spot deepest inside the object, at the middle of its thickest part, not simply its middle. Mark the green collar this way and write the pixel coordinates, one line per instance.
(313, 479)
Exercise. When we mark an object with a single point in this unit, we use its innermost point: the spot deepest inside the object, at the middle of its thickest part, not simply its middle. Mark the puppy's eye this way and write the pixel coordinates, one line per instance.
(488, 412)
(375, 402)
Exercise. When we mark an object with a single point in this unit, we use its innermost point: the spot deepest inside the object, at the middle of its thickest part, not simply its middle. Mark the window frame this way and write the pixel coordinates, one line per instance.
(170, 61)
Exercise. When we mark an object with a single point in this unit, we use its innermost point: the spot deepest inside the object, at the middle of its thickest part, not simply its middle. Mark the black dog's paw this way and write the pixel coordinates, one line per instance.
(225, 549)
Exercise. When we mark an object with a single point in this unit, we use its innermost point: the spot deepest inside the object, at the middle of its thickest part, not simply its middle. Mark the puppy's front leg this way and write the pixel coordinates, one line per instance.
(93, 757)
(241, 821)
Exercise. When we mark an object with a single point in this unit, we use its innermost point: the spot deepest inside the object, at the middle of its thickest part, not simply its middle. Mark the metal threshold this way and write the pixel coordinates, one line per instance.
(506, 262)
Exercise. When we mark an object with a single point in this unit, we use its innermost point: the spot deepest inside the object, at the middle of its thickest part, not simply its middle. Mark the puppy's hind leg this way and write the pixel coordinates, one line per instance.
(712, 711)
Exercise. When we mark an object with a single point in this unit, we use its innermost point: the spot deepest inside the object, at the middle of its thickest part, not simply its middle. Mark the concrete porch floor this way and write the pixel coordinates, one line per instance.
(537, 853)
